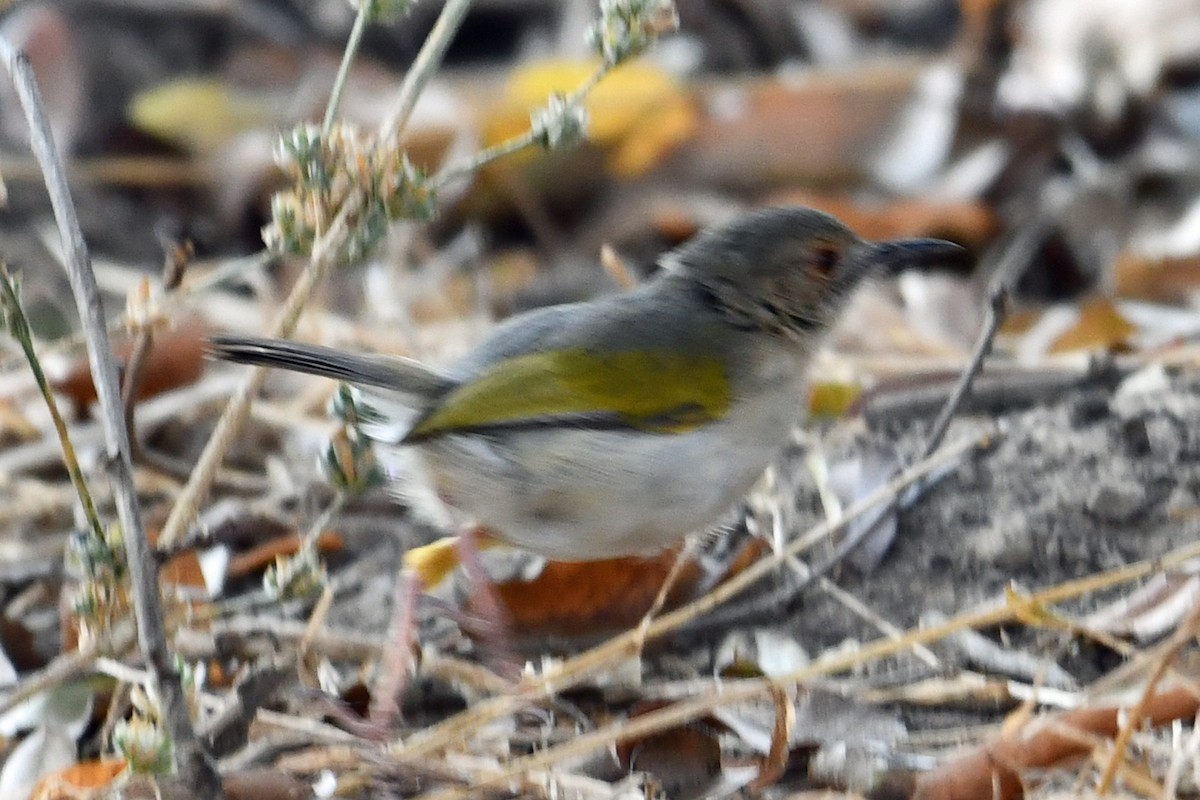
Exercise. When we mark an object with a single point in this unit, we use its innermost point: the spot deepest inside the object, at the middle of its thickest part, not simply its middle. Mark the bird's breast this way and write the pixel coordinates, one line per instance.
(584, 494)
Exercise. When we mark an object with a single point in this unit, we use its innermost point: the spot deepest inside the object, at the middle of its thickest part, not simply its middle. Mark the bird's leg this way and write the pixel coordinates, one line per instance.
(385, 709)
(490, 621)
(425, 568)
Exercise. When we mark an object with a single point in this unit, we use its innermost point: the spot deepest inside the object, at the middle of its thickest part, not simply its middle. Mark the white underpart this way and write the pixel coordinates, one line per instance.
(579, 495)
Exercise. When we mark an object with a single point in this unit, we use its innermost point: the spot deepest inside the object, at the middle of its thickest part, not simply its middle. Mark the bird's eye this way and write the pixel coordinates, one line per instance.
(825, 259)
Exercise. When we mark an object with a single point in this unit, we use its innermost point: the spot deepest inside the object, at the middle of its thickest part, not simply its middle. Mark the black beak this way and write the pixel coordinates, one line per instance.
(902, 254)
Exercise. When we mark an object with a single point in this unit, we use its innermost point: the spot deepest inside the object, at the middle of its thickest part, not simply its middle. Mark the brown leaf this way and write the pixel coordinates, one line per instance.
(592, 597)
(1100, 327)
(970, 223)
(994, 769)
(79, 781)
(176, 359)
(685, 760)
(258, 558)
(1166, 280)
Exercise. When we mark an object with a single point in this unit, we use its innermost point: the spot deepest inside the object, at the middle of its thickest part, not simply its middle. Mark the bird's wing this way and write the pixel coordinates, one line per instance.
(650, 390)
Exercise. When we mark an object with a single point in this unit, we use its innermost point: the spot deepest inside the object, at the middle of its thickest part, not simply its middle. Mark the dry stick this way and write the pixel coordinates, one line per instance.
(997, 308)
(174, 266)
(234, 415)
(425, 64)
(614, 650)
(1183, 637)
(682, 559)
(324, 253)
(675, 715)
(66, 667)
(1009, 267)
(366, 10)
(191, 761)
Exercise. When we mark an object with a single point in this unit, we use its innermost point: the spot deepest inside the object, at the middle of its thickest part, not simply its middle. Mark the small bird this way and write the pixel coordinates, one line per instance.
(617, 426)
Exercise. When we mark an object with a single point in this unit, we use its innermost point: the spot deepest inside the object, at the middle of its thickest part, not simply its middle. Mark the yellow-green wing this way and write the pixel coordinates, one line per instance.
(647, 390)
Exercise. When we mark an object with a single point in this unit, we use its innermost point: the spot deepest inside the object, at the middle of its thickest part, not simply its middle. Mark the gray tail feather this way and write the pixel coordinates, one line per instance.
(396, 374)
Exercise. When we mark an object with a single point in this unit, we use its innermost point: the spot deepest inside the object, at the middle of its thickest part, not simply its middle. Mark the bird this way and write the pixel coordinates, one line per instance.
(617, 426)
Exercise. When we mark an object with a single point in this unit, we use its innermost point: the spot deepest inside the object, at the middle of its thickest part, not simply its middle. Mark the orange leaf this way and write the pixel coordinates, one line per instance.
(638, 113)
(1100, 326)
(684, 760)
(176, 359)
(968, 222)
(1168, 280)
(79, 781)
(591, 597)
(258, 558)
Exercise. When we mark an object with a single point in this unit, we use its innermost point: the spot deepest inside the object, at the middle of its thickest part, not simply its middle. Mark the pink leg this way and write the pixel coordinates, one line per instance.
(491, 622)
(399, 643)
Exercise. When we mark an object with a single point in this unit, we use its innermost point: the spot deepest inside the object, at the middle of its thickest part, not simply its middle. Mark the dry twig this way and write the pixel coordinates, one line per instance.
(191, 761)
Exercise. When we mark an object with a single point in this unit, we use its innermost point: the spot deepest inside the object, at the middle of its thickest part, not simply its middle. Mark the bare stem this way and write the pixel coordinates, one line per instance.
(425, 64)
(19, 327)
(191, 761)
(324, 253)
(366, 10)
(516, 143)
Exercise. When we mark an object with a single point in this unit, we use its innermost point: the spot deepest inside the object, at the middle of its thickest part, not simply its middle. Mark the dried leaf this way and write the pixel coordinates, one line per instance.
(685, 761)
(79, 781)
(1100, 326)
(176, 359)
(592, 597)
(638, 114)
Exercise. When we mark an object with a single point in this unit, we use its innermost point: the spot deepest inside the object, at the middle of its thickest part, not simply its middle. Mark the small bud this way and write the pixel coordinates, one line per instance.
(327, 172)
(383, 10)
(627, 27)
(561, 123)
(349, 461)
(146, 747)
(406, 190)
(295, 577)
(143, 309)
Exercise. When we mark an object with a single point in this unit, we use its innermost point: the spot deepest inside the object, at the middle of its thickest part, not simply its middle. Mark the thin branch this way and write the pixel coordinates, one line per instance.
(366, 9)
(191, 761)
(518, 142)
(19, 328)
(324, 254)
(175, 264)
(425, 64)
(1009, 266)
(997, 309)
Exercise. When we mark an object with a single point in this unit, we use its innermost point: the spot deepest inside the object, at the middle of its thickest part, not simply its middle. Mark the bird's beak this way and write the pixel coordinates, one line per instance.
(901, 254)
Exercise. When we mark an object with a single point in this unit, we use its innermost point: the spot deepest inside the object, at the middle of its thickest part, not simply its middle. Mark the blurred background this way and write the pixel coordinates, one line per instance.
(1073, 124)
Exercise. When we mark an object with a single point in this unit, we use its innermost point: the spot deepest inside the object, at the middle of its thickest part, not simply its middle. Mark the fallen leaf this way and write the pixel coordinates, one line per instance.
(593, 597)
(1162, 280)
(685, 760)
(176, 359)
(79, 781)
(638, 114)
(258, 558)
(1100, 327)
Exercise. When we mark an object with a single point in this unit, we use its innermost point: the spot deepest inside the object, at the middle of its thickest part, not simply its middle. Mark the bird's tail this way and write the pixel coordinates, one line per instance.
(401, 375)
